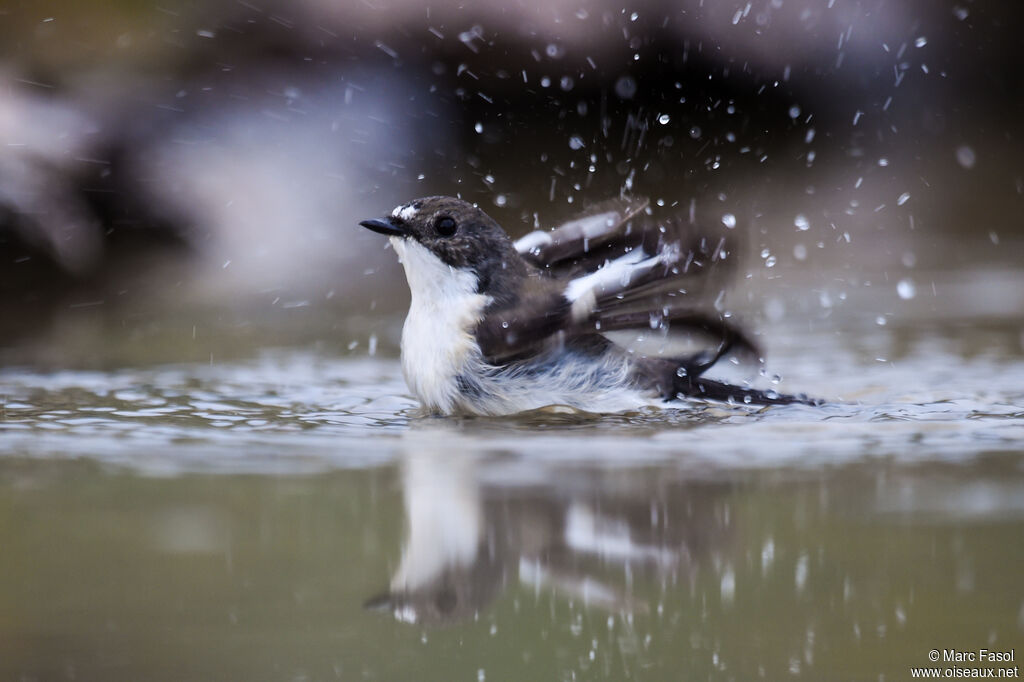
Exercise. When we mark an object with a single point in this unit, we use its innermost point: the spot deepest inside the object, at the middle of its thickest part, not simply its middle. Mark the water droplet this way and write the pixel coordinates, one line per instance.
(906, 289)
(794, 111)
(908, 259)
(776, 378)
(770, 262)
(960, 12)
(479, 128)
(729, 220)
(800, 252)
(554, 51)
(903, 199)
(728, 585)
(695, 132)
(500, 200)
(965, 156)
(765, 253)
(625, 87)
(801, 222)
(664, 119)
(576, 142)
(800, 573)
(634, 16)
(566, 83)
(681, 372)
(921, 41)
(545, 82)
(883, 162)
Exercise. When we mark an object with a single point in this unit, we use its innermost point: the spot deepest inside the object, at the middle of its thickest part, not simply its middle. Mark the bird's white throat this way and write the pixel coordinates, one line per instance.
(437, 340)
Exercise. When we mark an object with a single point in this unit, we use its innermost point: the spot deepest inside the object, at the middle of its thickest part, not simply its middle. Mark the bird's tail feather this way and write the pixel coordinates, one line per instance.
(700, 387)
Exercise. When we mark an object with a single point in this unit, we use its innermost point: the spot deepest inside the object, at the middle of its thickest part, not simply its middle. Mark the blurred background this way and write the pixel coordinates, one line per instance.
(183, 179)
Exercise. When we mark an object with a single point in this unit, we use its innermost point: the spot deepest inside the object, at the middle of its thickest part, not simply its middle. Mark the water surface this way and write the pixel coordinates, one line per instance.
(289, 515)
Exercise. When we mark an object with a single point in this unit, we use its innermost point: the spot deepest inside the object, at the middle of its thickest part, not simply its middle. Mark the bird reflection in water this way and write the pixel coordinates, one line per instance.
(479, 521)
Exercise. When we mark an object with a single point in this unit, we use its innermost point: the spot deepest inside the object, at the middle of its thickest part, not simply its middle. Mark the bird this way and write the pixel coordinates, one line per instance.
(499, 327)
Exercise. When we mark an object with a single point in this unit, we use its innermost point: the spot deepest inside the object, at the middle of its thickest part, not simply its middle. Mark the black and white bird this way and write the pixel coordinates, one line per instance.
(497, 327)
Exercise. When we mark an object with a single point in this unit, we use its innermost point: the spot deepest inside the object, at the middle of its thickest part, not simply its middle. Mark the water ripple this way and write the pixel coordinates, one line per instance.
(292, 410)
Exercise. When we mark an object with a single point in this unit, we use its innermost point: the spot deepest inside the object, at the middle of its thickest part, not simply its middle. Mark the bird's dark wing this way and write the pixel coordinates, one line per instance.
(626, 270)
(526, 322)
(581, 244)
(620, 232)
(641, 274)
(616, 269)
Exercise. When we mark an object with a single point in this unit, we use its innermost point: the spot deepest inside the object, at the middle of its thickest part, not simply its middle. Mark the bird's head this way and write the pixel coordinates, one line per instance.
(454, 233)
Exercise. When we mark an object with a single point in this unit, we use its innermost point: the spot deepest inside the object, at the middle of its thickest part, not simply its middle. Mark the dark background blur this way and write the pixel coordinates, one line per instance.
(183, 179)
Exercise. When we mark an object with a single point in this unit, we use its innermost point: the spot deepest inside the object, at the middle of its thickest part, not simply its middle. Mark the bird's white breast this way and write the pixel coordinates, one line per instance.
(437, 339)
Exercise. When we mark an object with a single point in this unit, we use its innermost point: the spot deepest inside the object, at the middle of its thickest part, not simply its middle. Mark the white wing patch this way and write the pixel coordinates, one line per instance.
(614, 276)
(588, 227)
(532, 241)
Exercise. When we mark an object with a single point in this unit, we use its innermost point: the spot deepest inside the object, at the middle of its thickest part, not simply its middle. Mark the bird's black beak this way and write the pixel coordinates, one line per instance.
(386, 225)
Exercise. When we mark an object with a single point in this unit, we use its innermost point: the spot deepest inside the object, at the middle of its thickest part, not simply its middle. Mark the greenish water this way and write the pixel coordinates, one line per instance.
(289, 516)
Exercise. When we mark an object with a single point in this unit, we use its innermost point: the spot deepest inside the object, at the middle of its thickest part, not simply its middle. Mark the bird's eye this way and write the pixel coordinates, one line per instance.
(445, 226)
